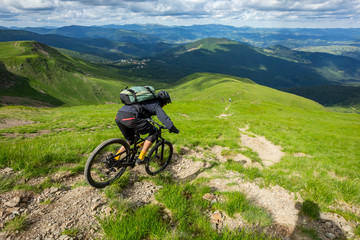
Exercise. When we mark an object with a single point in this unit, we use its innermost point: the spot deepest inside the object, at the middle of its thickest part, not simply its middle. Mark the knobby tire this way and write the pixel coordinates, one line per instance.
(159, 157)
(100, 172)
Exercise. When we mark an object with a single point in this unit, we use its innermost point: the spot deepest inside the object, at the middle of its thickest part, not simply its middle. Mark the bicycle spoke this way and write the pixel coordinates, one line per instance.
(103, 167)
(159, 158)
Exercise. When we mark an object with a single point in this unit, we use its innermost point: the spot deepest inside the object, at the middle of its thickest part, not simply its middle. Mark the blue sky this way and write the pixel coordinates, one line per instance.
(255, 13)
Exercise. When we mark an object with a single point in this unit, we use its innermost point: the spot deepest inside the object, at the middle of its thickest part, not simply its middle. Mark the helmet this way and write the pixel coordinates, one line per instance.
(164, 97)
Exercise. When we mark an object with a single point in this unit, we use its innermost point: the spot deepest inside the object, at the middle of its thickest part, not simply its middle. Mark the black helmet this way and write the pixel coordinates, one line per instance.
(164, 97)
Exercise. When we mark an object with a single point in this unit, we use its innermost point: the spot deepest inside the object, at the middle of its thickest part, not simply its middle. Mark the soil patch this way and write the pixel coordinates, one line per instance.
(53, 211)
(266, 150)
(276, 200)
(7, 123)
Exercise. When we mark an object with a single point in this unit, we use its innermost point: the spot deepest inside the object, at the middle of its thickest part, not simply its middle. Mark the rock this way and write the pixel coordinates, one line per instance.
(7, 170)
(216, 215)
(53, 190)
(108, 211)
(217, 220)
(209, 196)
(13, 202)
(95, 206)
(11, 210)
(64, 237)
(328, 224)
(347, 228)
(330, 235)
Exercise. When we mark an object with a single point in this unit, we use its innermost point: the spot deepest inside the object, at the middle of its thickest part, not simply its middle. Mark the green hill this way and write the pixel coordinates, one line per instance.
(34, 71)
(207, 86)
(320, 166)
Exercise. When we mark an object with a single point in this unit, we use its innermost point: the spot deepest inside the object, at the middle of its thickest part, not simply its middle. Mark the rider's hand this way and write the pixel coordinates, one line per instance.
(173, 129)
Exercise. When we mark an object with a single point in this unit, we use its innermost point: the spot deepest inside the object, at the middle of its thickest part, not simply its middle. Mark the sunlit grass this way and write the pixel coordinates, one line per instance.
(327, 175)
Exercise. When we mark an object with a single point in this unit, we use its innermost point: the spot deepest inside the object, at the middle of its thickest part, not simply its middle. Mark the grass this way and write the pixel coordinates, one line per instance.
(236, 202)
(145, 222)
(73, 232)
(19, 223)
(327, 175)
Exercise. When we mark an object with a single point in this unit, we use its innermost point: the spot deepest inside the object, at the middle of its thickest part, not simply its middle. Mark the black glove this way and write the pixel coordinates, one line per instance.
(173, 129)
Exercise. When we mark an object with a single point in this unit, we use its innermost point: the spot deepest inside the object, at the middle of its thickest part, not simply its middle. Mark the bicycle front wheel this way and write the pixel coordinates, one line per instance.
(105, 164)
(159, 157)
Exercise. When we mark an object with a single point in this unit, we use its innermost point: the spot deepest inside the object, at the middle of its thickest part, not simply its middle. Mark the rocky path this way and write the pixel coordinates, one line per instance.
(75, 207)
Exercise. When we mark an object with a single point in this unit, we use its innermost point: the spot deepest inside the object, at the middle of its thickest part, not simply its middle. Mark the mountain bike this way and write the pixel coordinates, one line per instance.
(106, 163)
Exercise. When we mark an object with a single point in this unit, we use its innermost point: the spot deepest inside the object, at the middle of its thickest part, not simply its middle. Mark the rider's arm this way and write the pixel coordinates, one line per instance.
(163, 117)
(155, 109)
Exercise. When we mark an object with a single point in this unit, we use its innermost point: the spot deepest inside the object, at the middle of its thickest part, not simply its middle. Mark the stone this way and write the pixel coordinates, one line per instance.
(108, 211)
(11, 210)
(209, 196)
(13, 202)
(53, 190)
(64, 237)
(95, 206)
(330, 235)
(216, 217)
(347, 228)
(328, 224)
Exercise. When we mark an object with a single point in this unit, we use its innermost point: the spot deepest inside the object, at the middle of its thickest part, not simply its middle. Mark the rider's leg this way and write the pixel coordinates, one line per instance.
(148, 142)
(145, 148)
(120, 151)
(124, 120)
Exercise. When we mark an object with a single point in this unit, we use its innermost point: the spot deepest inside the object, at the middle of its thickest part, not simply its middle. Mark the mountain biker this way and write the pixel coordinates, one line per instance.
(132, 118)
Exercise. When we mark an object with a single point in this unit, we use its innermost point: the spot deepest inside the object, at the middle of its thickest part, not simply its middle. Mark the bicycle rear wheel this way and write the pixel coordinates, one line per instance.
(104, 165)
(159, 157)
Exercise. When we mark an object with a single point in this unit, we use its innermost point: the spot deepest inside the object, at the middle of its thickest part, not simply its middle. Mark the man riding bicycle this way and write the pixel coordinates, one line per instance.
(132, 118)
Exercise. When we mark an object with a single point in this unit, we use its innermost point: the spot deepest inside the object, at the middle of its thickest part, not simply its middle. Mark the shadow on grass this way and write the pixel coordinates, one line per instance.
(311, 224)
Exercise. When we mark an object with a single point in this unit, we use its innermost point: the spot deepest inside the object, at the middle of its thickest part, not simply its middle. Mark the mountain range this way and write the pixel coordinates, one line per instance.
(169, 58)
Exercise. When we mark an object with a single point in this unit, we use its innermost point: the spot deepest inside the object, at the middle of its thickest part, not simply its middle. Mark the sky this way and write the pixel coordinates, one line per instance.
(254, 13)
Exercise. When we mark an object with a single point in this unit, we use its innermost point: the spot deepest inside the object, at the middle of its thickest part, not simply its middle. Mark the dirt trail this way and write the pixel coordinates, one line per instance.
(55, 210)
(266, 150)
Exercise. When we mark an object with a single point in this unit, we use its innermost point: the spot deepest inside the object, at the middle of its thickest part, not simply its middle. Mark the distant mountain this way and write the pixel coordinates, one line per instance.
(105, 48)
(91, 47)
(86, 32)
(152, 34)
(276, 67)
(260, 37)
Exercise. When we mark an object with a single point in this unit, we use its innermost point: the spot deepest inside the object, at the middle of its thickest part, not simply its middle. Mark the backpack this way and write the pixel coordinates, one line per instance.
(137, 94)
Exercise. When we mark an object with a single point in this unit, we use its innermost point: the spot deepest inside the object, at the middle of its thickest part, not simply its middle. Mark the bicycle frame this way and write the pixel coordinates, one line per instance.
(137, 141)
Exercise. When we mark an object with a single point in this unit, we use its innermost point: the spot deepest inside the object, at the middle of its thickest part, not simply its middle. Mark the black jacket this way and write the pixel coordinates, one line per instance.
(148, 109)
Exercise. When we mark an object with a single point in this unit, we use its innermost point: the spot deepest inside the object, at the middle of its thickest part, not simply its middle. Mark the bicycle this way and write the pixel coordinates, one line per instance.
(106, 164)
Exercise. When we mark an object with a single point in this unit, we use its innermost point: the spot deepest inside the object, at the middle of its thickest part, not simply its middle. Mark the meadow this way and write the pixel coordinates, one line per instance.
(61, 139)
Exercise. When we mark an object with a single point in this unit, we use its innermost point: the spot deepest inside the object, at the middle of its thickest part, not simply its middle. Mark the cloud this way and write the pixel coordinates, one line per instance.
(177, 11)
(30, 5)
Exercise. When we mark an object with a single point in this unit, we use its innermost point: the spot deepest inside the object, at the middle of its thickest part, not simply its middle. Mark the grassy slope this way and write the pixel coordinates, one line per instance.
(36, 69)
(295, 123)
(329, 178)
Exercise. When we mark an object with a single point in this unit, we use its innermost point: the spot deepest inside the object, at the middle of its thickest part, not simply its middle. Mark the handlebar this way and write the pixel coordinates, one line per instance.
(153, 122)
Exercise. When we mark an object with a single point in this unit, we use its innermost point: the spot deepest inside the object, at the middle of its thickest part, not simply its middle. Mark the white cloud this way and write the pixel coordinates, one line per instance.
(97, 12)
